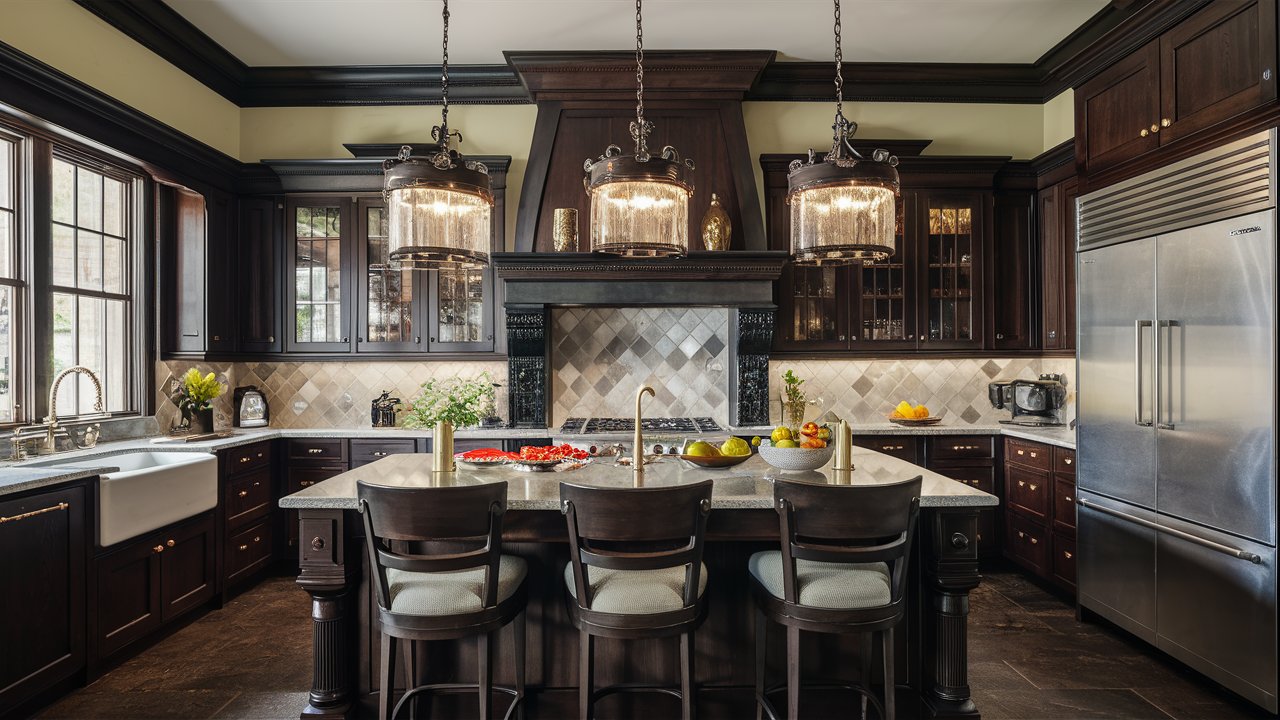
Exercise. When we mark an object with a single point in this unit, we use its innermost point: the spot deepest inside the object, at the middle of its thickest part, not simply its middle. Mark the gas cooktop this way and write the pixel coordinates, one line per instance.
(590, 426)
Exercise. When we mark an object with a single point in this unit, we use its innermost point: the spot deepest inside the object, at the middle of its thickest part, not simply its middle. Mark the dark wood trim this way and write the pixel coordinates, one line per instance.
(705, 74)
(1113, 32)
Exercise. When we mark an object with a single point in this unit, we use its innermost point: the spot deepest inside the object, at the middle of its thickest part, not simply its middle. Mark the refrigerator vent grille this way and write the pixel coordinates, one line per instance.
(1232, 180)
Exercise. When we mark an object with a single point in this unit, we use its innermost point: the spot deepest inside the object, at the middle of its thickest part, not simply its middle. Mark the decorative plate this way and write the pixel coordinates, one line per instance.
(536, 465)
(486, 463)
(716, 461)
(916, 422)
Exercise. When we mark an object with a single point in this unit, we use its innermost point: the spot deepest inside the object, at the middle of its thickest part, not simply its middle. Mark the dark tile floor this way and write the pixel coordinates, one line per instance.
(1029, 660)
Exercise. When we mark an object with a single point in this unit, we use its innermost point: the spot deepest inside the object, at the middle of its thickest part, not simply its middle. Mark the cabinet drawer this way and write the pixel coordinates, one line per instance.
(248, 497)
(1028, 543)
(961, 447)
(364, 452)
(982, 478)
(904, 447)
(1064, 461)
(987, 542)
(1064, 503)
(1027, 491)
(1028, 454)
(248, 550)
(326, 449)
(249, 457)
(305, 477)
(1064, 559)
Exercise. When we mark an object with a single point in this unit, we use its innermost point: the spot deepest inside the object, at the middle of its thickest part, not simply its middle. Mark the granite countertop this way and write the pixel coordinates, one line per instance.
(744, 487)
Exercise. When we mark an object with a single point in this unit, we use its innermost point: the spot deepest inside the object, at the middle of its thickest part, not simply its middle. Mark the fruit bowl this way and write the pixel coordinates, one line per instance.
(915, 422)
(796, 458)
(715, 461)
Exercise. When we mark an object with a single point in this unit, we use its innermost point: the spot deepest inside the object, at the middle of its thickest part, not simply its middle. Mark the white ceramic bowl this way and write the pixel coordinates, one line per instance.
(797, 458)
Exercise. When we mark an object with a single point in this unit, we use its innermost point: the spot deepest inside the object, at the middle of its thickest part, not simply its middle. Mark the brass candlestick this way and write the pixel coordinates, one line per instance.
(564, 229)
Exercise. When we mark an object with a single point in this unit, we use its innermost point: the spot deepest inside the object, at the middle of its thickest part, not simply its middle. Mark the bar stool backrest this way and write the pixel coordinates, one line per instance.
(636, 529)
(433, 529)
(847, 524)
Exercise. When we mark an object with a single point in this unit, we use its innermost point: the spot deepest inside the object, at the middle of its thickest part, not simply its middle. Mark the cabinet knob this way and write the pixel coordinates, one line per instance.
(1066, 461)
(959, 541)
(417, 339)
(1066, 554)
(1034, 455)
(1022, 483)
(433, 339)
(257, 538)
(1067, 498)
(1144, 132)
(1022, 534)
(317, 543)
(1155, 128)
(243, 493)
(217, 338)
(1033, 487)
(841, 338)
(1034, 541)
(346, 339)
(271, 338)
(158, 549)
(1165, 122)
(999, 336)
(171, 543)
(1022, 452)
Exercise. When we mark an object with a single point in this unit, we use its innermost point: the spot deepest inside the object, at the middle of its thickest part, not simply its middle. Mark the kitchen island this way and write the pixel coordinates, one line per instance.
(932, 657)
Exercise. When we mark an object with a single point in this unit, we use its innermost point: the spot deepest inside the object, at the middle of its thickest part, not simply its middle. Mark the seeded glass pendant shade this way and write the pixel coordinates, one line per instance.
(639, 202)
(844, 206)
(439, 204)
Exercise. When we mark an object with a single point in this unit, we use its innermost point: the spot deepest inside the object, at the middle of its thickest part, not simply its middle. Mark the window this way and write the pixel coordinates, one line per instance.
(10, 283)
(91, 284)
(68, 274)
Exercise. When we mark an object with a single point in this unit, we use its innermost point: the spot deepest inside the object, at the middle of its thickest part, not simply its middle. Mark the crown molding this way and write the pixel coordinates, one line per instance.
(1116, 30)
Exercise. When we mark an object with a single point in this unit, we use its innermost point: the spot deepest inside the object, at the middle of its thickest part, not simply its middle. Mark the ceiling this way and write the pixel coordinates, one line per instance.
(407, 32)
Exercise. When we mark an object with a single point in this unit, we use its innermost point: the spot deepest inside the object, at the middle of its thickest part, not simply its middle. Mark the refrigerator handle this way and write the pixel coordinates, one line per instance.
(1137, 373)
(1202, 542)
(1160, 410)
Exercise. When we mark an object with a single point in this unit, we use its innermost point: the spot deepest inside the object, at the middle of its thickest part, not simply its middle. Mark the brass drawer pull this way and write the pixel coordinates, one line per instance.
(1021, 452)
(158, 549)
(304, 483)
(1021, 534)
(379, 453)
(1022, 483)
(1034, 455)
(259, 454)
(245, 459)
(242, 548)
(1066, 461)
(1067, 498)
(1143, 132)
(1033, 487)
(1165, 122)
(1066, 554)
(33, 513)
(1034, 541)
(315, 451)
(244, 493)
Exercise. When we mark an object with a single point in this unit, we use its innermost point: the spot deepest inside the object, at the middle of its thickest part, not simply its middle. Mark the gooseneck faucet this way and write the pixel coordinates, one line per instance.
(637, 447)
(51, 421)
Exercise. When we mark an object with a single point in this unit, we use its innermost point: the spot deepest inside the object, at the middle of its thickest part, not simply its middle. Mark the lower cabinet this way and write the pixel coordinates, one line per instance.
(1040, 510)
(143, 583)
(970, 459)
(248, 506)
(42, 606)
(316, 460)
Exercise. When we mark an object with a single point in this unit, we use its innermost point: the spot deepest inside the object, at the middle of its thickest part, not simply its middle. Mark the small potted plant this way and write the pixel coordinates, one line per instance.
(463, 402)
(194, 396)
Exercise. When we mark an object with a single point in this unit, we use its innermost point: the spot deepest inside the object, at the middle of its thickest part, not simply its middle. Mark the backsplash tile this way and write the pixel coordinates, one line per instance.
(866, 391)
(600, 356)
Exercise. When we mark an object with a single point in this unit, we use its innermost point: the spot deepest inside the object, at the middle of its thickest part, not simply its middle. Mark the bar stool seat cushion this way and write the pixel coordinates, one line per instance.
(635, 592)
(843, 586)
(450, 593)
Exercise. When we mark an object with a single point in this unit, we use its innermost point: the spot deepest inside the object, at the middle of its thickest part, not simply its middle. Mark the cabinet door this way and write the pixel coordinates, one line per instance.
(1218, 63)
(460, 312)
(128, 602)
(391, 306)
(813, 308)
(320, 238)
(1013, 304)
(299, 478)
(883, 313)
(187, 567)
(181, 223)
(258, 275)
(42, 608)
(1116, 109)
(950, 244)
(221, 270)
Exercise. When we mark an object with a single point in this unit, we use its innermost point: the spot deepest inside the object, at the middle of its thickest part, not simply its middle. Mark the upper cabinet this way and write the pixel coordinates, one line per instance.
(930, 295)
(1213, 66)
(261, 222)
(320, 242)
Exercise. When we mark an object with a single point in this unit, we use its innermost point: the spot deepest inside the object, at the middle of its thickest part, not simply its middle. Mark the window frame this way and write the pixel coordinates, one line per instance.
(38, 147)
(19, 381)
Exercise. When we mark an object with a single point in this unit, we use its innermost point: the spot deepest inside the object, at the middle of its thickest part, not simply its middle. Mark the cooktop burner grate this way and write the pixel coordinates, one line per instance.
(575, 425)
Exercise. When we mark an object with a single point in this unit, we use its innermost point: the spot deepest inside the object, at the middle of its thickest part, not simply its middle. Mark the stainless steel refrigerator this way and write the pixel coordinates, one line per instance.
(1177, 411)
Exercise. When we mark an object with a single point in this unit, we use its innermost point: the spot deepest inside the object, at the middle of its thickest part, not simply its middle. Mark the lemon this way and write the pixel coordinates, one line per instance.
(786, 444)
(904, 410)
(781, 433)
(702, 449)
(755, 441)
(735, 446)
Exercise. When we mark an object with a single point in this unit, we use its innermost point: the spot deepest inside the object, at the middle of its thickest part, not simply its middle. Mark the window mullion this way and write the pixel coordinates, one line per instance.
(38, 227)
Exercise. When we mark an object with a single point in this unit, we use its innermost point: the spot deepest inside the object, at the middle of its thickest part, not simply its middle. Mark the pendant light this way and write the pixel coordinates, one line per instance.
(639, 202)
(438, 204)
(844, 206)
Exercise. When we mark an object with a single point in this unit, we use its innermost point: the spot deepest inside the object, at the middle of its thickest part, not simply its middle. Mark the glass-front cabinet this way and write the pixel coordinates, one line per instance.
(951, 237)
(385, 308)
(885, 296)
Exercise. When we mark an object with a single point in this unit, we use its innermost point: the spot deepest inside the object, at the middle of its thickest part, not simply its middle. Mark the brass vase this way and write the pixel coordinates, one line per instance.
(716, 227)
(564, 232)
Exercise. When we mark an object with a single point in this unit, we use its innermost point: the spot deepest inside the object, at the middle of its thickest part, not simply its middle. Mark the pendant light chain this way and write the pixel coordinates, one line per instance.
(839, 68)
(641, 128)
(444, 81)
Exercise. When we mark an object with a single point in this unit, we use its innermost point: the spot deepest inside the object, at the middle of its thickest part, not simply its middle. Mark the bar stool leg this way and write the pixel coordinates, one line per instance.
(410, 674)
(868, 647)
(687, 700)
(387, 677)
(889, 688)
(586, 675)
(793, 673)
(485, 645)
(518, 627)
(762, 644)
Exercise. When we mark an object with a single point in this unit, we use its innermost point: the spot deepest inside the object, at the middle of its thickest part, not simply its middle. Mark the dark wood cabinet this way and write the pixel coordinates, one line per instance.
(1058, 265)
(1040, 512)
(970, 459)
(320, 243)
(310, 461)
(364, 451)
(1015, 275)
(258, 275)
(42, 607)
(182, 233)
(950, 251)
(249, 494)
(141, 584)
(1212, 66)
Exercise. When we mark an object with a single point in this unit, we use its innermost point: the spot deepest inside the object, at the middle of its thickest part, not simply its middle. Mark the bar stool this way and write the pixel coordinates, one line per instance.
(439, 574)
(635, 571)
(842, 569)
